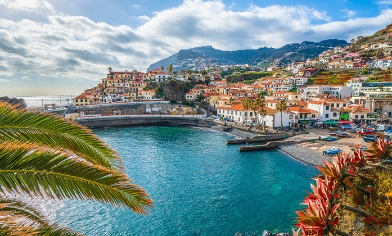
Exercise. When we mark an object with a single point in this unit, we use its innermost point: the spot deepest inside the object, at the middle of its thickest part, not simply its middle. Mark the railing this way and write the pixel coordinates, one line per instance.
(137, 116)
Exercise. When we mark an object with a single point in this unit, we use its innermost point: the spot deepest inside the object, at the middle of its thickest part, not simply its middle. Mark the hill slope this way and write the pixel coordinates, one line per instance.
(199, 58)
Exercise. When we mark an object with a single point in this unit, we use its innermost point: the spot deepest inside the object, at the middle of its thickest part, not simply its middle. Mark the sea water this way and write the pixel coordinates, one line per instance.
(41, 101)
(200, 186)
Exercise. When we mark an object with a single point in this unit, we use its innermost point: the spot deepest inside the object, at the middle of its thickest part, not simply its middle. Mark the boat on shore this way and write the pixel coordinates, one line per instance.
(332, 151)
(369, 138)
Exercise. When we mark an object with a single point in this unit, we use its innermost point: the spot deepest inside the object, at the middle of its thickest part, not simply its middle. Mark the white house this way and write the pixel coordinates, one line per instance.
(300, 81)
(323, 109)
(236, 113)
(333, 90)
(272, 119)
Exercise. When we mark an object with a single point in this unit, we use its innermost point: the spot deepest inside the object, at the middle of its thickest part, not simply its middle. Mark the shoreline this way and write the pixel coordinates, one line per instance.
(294, 150)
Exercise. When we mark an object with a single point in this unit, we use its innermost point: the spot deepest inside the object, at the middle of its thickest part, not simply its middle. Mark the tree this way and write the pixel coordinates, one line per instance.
(260, 104)
(170, 69)
(281, 106)
(246, 103)
(162, 67)
(45, 155)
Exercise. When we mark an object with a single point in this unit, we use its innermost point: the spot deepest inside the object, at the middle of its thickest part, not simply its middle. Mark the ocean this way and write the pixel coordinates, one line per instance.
(200, 186)
(40, 101)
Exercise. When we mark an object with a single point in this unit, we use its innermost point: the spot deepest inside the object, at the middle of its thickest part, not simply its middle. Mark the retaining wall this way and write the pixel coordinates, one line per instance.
(141, 121)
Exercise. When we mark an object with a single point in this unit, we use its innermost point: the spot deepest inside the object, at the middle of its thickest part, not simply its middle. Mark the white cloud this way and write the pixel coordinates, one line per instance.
(349, 13)
(384, 2)
(4, 81)
(144, 18)
(27, 5)
(25, 78)
(136, 6)
(76, 47)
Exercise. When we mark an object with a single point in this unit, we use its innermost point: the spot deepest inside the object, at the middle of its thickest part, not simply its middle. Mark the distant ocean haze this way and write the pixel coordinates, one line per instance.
(41, 101)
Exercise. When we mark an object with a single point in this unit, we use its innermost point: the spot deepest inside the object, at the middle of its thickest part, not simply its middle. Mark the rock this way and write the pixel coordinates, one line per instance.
(267, 233)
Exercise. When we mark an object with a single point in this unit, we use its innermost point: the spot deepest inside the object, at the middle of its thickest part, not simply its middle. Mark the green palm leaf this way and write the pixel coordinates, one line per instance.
(56, 132)
(40, 171)
(17, 218)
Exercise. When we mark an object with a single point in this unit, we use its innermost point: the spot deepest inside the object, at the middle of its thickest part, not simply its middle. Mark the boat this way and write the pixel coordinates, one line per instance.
(329, 138)
(332, 133)
(343, 134)
(369, 138)
(366, 131)
(333, 151)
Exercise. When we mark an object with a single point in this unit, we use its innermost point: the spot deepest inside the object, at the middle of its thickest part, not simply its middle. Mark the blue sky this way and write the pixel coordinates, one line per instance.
(52, 47)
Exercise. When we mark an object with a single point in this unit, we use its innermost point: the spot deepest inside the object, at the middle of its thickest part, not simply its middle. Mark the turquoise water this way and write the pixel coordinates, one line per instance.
(200, 186)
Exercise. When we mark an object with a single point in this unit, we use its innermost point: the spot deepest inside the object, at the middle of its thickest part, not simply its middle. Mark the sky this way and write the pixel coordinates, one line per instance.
(57, 47)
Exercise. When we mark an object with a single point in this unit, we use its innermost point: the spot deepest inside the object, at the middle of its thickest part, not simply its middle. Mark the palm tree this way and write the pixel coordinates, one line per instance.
(170, 69)
(253, 107)
(246, 104)
(45, 155)
(260, 104)
(281, 106)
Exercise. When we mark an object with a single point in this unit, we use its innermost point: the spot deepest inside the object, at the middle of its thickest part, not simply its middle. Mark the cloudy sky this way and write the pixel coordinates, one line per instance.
(53, 47)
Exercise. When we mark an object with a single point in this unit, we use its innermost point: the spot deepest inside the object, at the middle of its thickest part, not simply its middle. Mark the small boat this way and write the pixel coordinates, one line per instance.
(329, 138)
(366, 131)
(369, 138)
(343, 134)
(333, 151)
(332, 133)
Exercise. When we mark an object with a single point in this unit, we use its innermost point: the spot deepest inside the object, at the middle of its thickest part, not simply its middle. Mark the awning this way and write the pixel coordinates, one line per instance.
(304, 121)
(345, 122)
(330, 122)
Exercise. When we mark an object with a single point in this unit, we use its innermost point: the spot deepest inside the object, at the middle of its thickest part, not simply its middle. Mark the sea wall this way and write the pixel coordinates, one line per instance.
(105, 121)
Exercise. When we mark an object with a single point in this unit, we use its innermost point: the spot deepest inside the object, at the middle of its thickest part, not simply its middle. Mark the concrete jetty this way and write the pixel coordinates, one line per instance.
(258, 139)
(268, 145)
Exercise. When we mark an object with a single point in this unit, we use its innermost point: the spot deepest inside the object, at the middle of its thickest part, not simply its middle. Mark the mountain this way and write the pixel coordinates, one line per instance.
(199, 58)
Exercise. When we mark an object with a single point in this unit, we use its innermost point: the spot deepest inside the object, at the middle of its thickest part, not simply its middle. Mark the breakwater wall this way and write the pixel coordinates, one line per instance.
(142, 120)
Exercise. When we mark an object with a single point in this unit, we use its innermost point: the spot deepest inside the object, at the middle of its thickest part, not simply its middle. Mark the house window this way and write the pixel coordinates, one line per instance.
(362, 116)
(300, 115)
(326, 115)
(356, 116)
(327, 108)
(313, 115)
(306, 115)
(335, 114)
(344, 104)
(332, 105)
(337, 104)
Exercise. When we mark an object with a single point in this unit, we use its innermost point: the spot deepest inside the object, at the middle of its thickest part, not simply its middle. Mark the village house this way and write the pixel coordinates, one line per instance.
(273, 116)
(236, 113)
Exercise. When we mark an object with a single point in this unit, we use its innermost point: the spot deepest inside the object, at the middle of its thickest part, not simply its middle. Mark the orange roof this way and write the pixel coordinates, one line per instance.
(302, 110)
(238, 107)
(81, 96)
(316, 102)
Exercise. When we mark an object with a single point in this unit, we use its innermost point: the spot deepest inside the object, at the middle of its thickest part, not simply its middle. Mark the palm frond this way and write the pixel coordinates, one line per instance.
(17, 218)
(40, 171)
(53, 131)
(55, 230)
(20, 209)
